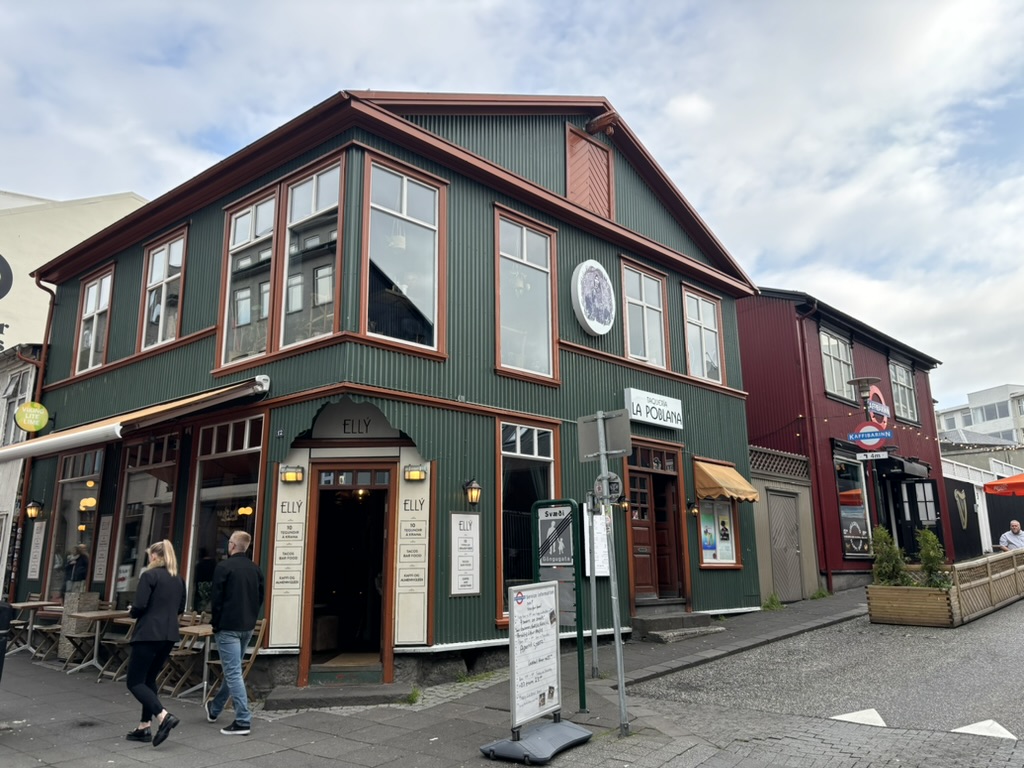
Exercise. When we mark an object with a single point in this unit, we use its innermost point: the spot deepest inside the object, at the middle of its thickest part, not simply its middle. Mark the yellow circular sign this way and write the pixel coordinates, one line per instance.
(31, 416)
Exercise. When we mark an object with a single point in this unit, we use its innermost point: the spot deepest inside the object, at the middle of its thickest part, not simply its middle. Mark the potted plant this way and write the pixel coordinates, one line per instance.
(922, 597)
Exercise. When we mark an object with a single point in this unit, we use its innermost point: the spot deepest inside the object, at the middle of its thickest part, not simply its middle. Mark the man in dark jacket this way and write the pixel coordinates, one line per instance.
(236, 599)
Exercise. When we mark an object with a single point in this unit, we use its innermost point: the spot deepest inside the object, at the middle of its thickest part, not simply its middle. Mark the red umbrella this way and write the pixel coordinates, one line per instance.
(1007, 486)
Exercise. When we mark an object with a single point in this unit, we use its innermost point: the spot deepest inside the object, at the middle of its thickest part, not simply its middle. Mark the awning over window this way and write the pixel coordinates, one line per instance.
(717, 481)
(116, 427)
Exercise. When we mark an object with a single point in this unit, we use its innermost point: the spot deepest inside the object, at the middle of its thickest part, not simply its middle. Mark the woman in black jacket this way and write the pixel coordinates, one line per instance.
(159, 600)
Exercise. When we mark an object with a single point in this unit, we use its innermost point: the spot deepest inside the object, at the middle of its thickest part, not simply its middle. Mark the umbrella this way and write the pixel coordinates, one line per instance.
(1006, 486)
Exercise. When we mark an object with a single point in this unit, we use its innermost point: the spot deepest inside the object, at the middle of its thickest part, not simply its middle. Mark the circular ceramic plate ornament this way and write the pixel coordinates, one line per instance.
(593, 300)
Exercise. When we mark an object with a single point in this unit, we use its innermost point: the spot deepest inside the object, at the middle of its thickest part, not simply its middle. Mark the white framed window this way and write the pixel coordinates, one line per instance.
(527, 475)
(904, 395)
(703, 340)
(404, 263)
(524, 297)
(92, 323)
(645, 316)
(164, 263)
(950, 422)
(16, 394)
(837, 361)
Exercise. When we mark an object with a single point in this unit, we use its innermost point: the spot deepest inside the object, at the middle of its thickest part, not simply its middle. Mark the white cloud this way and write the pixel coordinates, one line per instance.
(841, 149)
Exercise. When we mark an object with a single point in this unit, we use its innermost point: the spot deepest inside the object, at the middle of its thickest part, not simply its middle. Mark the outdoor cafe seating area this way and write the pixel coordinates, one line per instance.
(84, 634)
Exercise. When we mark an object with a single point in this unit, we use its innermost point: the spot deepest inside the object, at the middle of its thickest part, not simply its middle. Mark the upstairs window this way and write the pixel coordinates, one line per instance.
(250, 256)
(163, 291)
(404, 265)
(903, 395)
(92, 323)
(645, 316)
(703, 339)
(837, 360)
(16, 392)
(524, 297)
(312, 252)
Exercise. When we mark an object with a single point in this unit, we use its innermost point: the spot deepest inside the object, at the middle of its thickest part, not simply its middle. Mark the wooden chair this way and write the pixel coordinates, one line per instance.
(252, 650)
(116, 641)
(185, 658)
(46, 633)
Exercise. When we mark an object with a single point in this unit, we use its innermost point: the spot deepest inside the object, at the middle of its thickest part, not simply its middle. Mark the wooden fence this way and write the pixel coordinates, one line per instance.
(985, 584)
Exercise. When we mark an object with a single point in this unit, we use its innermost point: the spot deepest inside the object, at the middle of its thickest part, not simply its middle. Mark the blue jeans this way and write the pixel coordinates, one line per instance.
(231, 645)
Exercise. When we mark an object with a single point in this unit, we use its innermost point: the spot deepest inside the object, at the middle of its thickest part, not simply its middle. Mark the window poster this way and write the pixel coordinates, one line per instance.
(853, 508)
(717, 532)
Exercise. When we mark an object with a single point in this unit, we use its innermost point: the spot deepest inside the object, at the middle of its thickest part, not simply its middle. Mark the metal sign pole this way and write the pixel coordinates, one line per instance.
(623, 716)
(592, 560)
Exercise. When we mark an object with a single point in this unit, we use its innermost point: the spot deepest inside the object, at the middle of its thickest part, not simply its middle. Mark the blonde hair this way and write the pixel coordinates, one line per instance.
(162, 554)
(242, 540)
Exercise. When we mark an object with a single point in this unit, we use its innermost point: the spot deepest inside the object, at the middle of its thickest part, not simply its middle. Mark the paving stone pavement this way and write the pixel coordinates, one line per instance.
(51, 719)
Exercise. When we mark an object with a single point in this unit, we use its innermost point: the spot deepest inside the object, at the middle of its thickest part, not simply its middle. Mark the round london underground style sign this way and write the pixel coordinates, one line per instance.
(868, 435)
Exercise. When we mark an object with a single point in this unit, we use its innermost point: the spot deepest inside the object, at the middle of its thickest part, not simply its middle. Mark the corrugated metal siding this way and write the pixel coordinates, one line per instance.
(510, 141)
(773, 373)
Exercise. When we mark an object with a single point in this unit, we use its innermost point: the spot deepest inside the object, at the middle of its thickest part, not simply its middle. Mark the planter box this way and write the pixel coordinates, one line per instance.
(916, 606)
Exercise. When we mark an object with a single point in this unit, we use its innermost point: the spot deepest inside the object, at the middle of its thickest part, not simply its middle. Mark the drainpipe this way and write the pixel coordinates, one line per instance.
(40, 364)
(812, 441)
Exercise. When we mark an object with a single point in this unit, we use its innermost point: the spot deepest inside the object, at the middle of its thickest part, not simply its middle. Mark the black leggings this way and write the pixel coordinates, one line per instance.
(145, 663)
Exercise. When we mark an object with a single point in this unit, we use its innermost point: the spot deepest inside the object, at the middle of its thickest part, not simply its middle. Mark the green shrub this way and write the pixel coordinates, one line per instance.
(890, 568)
(933, 560)
(821, 593)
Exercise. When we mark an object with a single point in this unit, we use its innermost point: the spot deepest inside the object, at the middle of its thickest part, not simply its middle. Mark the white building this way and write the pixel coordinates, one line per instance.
(33, 231)
(997, 412)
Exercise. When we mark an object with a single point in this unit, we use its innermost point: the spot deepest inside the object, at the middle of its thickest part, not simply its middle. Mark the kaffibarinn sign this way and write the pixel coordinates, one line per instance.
(651, 408)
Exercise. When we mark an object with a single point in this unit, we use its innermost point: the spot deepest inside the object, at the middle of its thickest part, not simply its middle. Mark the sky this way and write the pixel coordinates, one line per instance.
(868, 153)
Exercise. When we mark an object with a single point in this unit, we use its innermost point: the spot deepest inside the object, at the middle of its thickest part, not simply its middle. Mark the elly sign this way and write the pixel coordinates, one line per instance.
(651, 408)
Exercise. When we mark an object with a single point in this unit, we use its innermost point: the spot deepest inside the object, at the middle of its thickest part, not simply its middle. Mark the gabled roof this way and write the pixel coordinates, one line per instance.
(382, 113)
(807, 305)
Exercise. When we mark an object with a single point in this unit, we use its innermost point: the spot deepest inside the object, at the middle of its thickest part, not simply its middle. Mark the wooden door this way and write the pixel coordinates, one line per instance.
(644, 544)
(784, 531)
(665, 515)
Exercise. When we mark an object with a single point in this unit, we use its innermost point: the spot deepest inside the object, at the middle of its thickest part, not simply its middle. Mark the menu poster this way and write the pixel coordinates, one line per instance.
(465, 554)
(601, 523)
(536, 675)
(99, 571)
(35, 555)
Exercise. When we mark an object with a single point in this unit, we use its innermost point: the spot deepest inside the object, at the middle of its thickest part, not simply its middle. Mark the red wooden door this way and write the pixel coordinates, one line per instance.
(665, 516)
(644, 545)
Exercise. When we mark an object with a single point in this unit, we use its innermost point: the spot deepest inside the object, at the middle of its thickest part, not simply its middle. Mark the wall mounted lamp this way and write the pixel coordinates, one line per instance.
(81, 527)
(415, 472)
(34, 509)
(472, 489)
(292, 474)
(245, 511)
(693, 507)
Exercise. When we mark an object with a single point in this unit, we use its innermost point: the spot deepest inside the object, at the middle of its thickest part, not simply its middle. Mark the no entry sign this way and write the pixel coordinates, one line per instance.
(868, 435)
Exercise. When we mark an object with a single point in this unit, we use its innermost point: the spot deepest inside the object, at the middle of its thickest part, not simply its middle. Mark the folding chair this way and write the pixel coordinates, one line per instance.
(117, 643)
(46, 634)
(248, 659)
(182, 662)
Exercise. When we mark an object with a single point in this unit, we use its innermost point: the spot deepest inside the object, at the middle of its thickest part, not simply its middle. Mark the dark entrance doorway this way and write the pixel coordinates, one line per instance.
(352, 513)
(655, 524)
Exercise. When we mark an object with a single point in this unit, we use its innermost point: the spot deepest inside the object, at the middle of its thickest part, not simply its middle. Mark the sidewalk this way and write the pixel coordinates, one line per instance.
(51, 719)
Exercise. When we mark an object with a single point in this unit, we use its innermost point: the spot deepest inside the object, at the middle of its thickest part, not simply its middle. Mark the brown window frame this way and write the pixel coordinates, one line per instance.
(164, 242)
(93, 277)
(662, 278)
(501, 212)
(717, 302)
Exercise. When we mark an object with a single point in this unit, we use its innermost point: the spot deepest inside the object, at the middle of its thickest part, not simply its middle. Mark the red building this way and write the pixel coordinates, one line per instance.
(858, 405)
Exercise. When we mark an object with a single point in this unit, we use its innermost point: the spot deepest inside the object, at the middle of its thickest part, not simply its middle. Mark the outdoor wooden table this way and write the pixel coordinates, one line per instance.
(99, 621)
(31, 606)
(205, 631)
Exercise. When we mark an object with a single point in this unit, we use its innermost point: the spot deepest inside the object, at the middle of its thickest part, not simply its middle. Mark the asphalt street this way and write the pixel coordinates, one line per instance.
(914, 677)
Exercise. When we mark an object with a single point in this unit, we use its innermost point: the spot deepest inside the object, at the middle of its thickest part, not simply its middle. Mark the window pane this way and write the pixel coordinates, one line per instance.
(301, 201)
(421, 202)
(175, 253)
(244, 335)
(632, 284)
(652, 291)
(537, 249)
(525, 317)
(264, 218)
(511, 239)
(695, 355)
(656, 344)
(156, 266)
(240, 228)
(637, 336)
(402, 280)
(386, 189)
(327, 184)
